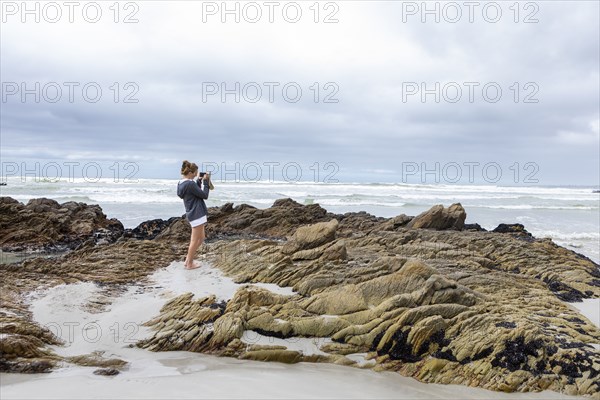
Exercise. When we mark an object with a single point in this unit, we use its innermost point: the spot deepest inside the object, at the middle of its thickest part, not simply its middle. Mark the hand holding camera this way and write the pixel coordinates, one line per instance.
(205, 177)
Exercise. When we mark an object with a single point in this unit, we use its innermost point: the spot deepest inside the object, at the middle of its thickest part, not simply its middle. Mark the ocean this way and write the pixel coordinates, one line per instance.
(570, 216)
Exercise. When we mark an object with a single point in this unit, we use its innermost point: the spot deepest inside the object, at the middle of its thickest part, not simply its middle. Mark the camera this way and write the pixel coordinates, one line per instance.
(201, 180)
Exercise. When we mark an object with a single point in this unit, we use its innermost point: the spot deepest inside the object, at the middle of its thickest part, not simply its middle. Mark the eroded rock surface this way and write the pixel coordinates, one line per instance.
(416, 295)
(438, 217)
(472, 307)
(23, 343)
(44, 224)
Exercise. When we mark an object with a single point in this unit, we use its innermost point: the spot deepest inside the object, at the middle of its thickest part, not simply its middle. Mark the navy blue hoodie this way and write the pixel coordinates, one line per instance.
(193, 198)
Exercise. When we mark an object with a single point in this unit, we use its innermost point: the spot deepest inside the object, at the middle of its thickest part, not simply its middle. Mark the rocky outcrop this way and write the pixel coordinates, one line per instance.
(280, 220)
(316, 241)
(416, 295)
(97, 359)
(44, 224)
(311, 236)
(516, 230)
(439, 314)
(440, 218)
(23, 343)
(149, 230)
(473, 308)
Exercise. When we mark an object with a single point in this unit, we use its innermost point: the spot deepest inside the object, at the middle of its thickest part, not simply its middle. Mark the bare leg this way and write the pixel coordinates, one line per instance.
(195, 242)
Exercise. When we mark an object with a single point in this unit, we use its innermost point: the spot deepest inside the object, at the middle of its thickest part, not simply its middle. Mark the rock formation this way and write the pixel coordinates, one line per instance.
(44, 224)
(421, 296)
(440, 218)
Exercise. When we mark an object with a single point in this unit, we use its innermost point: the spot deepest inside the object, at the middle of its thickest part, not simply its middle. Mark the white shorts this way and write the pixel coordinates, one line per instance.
(198, 222)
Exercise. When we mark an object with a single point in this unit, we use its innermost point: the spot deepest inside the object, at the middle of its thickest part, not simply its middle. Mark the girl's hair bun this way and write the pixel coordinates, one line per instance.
(188, 167)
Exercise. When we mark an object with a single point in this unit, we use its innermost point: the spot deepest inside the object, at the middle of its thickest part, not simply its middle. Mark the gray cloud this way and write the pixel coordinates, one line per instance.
(369, 55)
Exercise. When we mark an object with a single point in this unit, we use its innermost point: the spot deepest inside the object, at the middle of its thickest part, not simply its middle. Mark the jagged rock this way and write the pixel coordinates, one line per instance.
(107, 371)
(311, 236)
(188, 320)
(23, 343)
(44, 224)
(27, 366)
(396, 222)
(284, 356)
(474, 227)
(22, 346)
(178, 231)
(328, 252)
(96, 359)
(357, 223)
(440, 218)
(517, 229)
(340, 348)
(281, 220)
(148, 230)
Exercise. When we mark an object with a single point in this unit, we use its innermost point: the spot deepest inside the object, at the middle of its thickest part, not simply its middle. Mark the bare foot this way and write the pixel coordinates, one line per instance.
(193, 266)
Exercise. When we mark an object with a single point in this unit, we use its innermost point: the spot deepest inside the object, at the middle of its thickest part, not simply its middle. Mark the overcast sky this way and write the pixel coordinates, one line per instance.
(371, 119)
